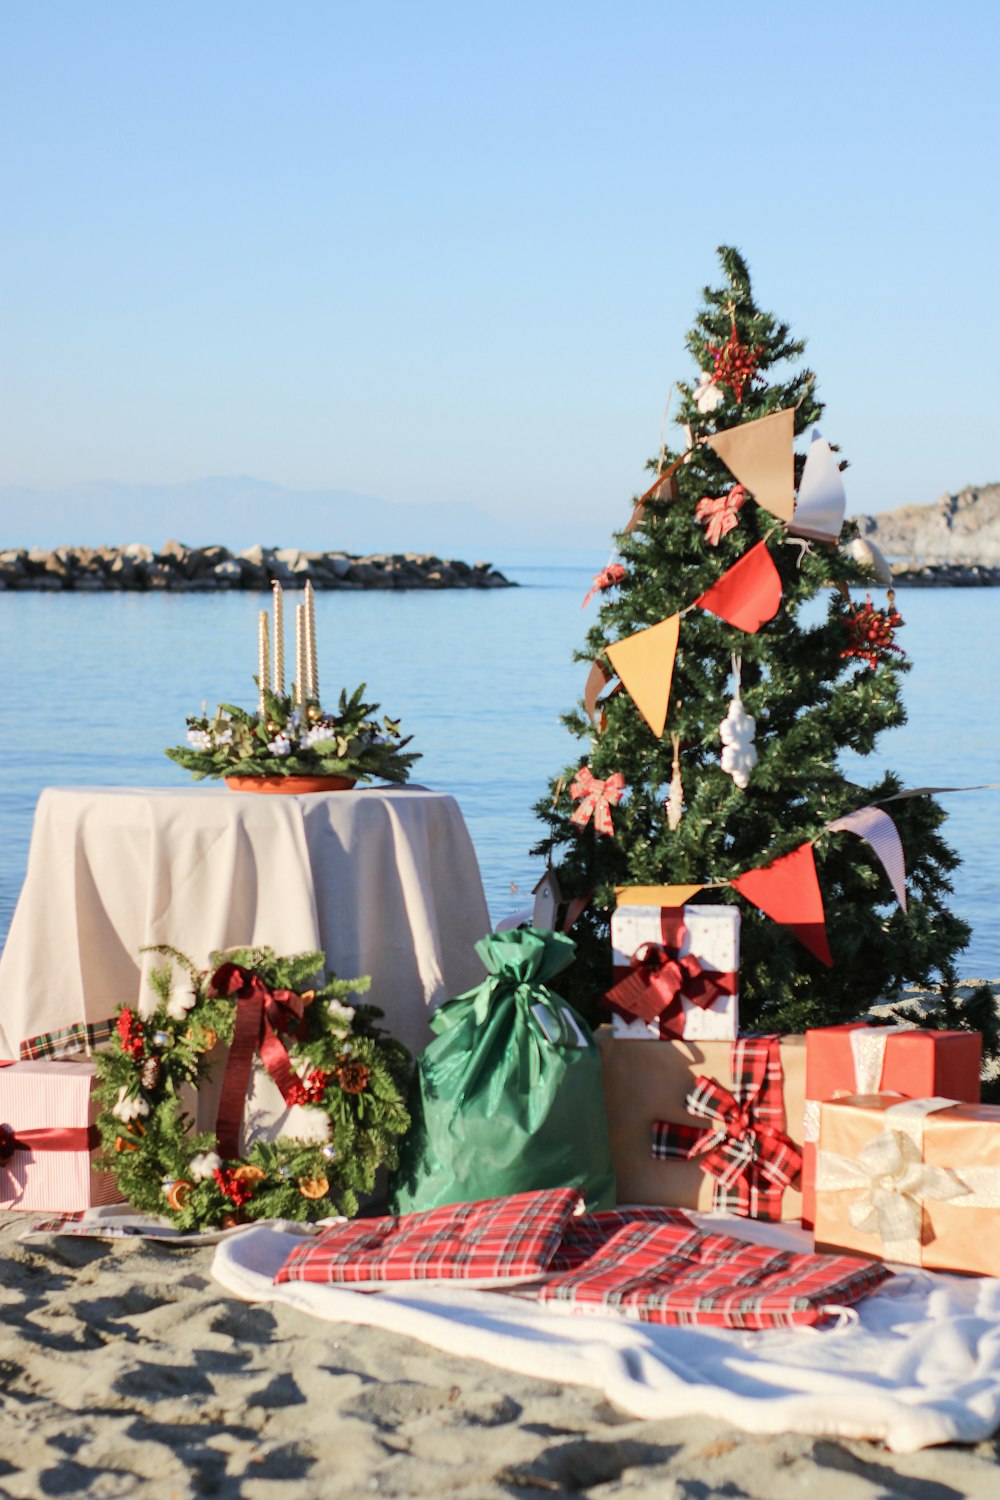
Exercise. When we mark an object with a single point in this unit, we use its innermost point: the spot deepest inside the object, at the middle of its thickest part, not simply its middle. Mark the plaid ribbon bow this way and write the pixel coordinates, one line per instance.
(605, 579)
(721, 513)
(660, 980)
(598, 798)
(744, 1149)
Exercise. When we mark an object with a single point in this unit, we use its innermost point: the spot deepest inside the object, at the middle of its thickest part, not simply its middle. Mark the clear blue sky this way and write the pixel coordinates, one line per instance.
(450, 251)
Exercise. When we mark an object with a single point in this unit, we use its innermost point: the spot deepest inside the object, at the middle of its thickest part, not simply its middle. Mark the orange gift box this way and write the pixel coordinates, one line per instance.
(859, 1059)
(643, 1084)
(911, 1181)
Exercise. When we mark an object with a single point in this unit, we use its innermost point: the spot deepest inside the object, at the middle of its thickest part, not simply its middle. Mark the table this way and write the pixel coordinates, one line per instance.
(385, 882)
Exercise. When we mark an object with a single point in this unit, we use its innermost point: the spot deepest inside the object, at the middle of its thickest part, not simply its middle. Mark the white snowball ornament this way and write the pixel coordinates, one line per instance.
(707, 396)
(737, 733)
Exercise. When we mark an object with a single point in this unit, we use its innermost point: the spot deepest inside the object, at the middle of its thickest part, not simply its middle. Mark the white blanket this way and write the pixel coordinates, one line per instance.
(919, 1365)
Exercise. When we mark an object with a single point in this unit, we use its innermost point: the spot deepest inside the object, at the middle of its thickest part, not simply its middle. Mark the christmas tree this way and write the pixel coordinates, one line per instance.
(817, 680)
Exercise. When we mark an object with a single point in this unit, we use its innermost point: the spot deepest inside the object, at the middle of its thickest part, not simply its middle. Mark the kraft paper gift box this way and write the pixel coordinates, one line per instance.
(910, 1181)
(676, 972)
(645, 1085)
(859, 1059)
(48, 1137)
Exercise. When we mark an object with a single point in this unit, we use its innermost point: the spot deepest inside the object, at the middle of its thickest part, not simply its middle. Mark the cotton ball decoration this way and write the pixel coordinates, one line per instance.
(737, 733)
(675, 798)
(707, 396)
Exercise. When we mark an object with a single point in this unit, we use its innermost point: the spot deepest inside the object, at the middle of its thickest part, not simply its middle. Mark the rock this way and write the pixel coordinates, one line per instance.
(960, 528)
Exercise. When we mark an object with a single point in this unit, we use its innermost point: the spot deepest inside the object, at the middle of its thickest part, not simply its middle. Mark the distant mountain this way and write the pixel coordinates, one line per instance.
(959, 528)
(237, 512)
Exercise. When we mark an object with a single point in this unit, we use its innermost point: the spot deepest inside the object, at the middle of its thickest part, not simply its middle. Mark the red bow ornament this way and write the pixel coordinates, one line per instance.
(721, 512)
(744, 1149)
(605, 579)
(659, 983)
(596, 799)
(263, 1016)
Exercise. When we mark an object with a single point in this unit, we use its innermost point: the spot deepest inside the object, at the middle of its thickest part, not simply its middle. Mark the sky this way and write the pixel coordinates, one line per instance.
(449, 252)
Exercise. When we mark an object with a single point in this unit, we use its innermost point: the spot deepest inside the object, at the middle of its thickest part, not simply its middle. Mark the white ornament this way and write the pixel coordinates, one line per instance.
(178, 1006)
(675, 800)
(340, 1015)
(200, 739)
(736, 732)
(707, 396)
(129, 1106)
(280, 745)
(203, 1165)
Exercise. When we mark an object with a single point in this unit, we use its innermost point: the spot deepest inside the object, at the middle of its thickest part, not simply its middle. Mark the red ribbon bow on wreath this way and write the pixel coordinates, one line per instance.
(660, 980)
(745, 1150)
(721, 512)
(598, 798)
(605, 579)
(263, 1016)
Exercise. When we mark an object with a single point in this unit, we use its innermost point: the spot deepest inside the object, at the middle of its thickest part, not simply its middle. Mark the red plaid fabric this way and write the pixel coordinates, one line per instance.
(588, 1234)
(744, 1149)
(498, 1240)
(670, 1274)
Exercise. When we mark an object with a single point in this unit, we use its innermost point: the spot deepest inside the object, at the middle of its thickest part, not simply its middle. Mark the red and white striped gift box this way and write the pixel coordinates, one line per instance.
(705, 938)
(48, 1138)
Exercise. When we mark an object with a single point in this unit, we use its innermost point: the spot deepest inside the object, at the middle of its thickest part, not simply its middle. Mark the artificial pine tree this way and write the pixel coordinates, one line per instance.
(810, 703)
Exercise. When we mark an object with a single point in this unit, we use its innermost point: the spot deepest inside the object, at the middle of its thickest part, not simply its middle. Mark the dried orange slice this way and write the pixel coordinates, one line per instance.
(313, 1187)
(179, 1194)
(248, 1173)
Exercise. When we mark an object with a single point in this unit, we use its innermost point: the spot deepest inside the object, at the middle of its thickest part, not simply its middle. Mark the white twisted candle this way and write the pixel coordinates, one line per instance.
(312, 671)
(279, 638)
(263, 660)
(300, 655)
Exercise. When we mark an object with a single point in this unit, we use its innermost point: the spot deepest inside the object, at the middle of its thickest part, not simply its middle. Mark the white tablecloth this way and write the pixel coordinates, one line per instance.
(385, 882)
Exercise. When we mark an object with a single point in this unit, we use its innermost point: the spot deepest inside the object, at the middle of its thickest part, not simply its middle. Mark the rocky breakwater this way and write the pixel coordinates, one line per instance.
(952, 543)
(187, 570)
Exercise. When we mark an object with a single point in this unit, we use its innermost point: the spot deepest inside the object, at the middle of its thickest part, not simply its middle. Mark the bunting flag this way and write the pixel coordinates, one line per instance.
(748, 593)
(788, 892)
(655, 895)
(822, 500)
(759, 454)
(597, 680)
(645, 663)
(877, 829)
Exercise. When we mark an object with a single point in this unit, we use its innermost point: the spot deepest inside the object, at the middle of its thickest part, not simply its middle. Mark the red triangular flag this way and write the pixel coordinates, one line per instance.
(788, 892)
(748, 593)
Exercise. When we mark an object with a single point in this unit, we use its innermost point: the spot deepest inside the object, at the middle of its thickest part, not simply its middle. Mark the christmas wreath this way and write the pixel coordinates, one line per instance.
(289, 739)
(342, 1079)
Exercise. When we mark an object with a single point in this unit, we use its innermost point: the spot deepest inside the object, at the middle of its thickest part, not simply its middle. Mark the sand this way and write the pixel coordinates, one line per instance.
(125, 1370)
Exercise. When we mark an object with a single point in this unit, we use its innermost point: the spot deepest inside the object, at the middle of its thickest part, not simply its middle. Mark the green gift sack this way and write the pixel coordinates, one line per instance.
(508, 1096)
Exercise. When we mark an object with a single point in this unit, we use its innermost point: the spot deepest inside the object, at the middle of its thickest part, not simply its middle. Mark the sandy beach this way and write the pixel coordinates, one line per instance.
(126, 1370)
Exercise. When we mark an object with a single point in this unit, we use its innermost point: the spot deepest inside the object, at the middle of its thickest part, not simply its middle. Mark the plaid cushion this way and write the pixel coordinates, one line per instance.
(496, 1241)
(586, 1235)
(669, 1274)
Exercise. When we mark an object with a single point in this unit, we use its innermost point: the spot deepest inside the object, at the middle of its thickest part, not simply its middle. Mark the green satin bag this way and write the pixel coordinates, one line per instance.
(508, 1096)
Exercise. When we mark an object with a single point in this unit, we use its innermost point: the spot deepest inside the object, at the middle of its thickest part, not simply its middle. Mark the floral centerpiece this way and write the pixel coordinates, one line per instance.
(342, 1082)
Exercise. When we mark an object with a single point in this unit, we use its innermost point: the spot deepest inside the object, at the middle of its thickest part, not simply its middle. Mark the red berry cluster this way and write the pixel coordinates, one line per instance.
(870, 633)
(233, 1185)
(130, 1032)
(309, 1090)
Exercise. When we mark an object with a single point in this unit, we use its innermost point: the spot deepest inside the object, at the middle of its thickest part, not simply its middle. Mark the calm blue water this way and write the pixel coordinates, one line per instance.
(95, 686)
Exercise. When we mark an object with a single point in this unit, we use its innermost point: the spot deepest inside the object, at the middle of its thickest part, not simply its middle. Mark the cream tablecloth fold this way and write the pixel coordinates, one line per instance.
(384, 881)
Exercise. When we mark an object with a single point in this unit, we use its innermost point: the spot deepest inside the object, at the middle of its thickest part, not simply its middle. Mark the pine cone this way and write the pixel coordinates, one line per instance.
(150, 1075)
(353, 1077)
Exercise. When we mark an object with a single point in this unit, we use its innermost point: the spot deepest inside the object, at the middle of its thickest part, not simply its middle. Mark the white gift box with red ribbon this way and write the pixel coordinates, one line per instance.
(676, 972)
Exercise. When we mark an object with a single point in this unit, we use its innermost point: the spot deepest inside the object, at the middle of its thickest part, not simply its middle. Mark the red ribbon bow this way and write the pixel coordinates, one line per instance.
(745, 1151)
(660, 980)
(263, 1016)
(605, 579)
(721, 512)
(598, 798)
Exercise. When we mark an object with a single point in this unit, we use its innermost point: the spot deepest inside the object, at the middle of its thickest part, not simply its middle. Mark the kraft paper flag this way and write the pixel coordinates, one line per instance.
(877, 828)
(822, 500)
(760, 456)
(597, 680)
(788, 892)
(655, 895)
(645, 664)
(748, 593)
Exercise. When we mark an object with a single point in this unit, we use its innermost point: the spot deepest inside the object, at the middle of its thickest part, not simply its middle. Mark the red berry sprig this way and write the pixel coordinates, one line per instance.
(130, 1032)
(309, 1090)
(871, 631)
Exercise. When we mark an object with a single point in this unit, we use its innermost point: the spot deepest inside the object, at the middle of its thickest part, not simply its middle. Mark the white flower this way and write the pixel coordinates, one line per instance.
(280, 745)
(320, 732)
(179, 1005)
(200, 739)
(340, 1015)
(310, 1126)
(129, 1106)
(203, 1165)
(224, 737)
(707, 396)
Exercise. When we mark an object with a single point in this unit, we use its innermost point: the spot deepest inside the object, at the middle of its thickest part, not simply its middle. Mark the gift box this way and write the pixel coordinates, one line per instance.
(859, 1059)
(724, 1119)
(48, 1138)
(911, 1181)
(676, 972)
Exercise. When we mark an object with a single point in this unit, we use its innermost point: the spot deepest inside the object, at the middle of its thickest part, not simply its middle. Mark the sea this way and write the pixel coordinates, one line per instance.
(95, 686)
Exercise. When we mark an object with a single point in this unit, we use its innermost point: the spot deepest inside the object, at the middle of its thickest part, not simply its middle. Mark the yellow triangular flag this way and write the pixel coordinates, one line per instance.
(655, 895)
(760, 456)
(645, 664)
